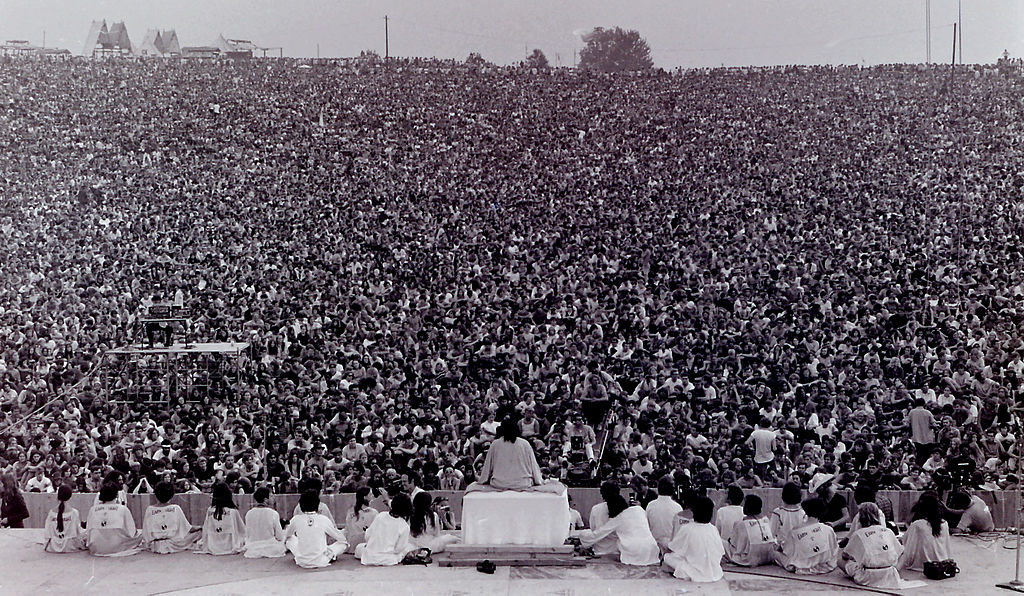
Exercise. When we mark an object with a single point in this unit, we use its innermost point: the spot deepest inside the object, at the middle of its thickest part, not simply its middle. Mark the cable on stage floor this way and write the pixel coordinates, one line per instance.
(809, 580)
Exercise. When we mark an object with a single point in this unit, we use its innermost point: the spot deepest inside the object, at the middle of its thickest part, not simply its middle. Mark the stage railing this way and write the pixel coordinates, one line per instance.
(1002, 503)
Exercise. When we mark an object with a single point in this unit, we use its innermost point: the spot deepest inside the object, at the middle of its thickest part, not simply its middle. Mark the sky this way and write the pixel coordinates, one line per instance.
(681, 33)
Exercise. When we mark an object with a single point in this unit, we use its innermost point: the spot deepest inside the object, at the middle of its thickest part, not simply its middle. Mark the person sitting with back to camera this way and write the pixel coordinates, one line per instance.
(511, 465)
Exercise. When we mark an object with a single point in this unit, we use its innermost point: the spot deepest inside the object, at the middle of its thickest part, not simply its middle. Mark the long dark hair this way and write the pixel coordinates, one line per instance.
(63, 494)
(508, 430)
(421, 512)
(361, 499)
(222, 499)
(927, 508)
(616, 505)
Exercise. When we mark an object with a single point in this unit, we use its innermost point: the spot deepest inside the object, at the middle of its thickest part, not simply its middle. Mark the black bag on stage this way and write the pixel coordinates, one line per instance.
(941, 569)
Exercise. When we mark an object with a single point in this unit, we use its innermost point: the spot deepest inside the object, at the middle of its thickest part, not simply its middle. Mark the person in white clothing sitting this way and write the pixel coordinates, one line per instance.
(165, 529)
(726, 517)
(696, 550)
(264, 536)
(387, 538)
(751, 542)
(636, 544)
(307, 535)
(661, 513)
(63, 531)
(599, 517)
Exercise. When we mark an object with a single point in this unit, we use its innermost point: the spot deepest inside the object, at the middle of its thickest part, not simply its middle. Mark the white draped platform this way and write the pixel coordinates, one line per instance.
(510, 517)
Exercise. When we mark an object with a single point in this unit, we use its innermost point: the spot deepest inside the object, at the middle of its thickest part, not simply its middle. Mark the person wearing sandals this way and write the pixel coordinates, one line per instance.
(306, 537)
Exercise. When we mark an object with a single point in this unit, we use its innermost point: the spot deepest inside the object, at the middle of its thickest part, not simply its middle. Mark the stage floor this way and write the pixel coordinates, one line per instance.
(26, 569)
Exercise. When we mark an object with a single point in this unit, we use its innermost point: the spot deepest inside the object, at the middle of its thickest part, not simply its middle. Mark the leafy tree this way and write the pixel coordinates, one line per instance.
(615, 50)
(537, 60)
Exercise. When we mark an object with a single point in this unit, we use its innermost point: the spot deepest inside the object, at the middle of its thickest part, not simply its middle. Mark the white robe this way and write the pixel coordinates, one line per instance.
(432, 537)
(871, 556)
(599, 517)
(322, 510)
(165, 530)
(307, 540)
(919, 545)
(264, 536)
(696, 553)
(511, 466)
(355, 526)
(387, 541)
(811, 550)
(661, 517)
(111, 532)
(785, 519)
(636, 544)
(725, 521)
(751, 542)
(68, 541)
(224, 536)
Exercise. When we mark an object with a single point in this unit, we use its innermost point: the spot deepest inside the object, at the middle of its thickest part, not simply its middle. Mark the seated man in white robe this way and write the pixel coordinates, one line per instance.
(264, 536)
(696, 550)
(110, 529)
(751, 542)
(307, 535)
(661, 513)
(628, 525)
(599, 516)
(812, 549)
(387, 538)
(316, 485)
(727, 516)
(511, 465)
(165, 529)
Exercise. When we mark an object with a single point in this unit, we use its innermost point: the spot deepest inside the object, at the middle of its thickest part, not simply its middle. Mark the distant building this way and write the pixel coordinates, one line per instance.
(20, 48)
(104, 42)
(161, 44)
(199, 52)
(236, 49)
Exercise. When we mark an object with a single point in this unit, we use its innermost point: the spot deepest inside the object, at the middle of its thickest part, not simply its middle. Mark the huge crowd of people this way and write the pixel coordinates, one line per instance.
(746, 276)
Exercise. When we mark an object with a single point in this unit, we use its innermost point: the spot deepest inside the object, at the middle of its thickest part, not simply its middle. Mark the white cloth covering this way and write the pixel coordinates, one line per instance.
(751, 542)
(68, 541)
(166, 530)
(387, 541)
(636, 544)
(110, 531)
(696, 553)
(661, 517)
(224, 536)
(510, 517)
(264, 536)
(919, 545)
(811, 550)
(306, 538)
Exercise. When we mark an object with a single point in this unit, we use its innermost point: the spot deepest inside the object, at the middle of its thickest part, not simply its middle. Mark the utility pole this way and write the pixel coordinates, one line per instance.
(44, 39)
(386, 40)
(952, 66)
(928, 30)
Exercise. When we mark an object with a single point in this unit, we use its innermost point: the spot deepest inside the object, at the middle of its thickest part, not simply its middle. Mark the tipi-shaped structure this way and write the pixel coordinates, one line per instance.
(102, 41)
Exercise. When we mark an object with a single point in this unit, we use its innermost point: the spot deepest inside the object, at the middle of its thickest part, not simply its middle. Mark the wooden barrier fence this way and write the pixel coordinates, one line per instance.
(1002, 503)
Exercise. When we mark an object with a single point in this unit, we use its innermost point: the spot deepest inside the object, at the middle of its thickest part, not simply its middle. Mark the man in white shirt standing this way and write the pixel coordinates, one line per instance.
(763, 439)
(661, 513)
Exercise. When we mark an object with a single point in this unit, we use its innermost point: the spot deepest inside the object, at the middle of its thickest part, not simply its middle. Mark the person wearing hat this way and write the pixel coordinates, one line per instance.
(837, 513)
